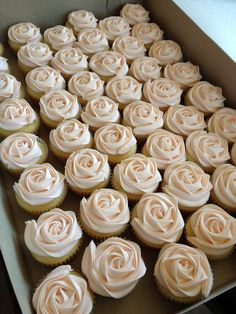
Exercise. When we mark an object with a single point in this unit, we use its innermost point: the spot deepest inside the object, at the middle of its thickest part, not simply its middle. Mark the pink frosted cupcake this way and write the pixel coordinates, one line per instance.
(147, 32)
(166, 52)
(81, 19)
(114, 26)
(59, 37)
(134, 13)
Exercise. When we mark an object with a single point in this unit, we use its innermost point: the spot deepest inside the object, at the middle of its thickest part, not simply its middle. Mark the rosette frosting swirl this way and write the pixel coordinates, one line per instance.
(87, 168)
(9, 86)
(187, 182)
(105, 211)
(184, 271)
(82, 19)
(147, 32)
(213, 230)
(40, 184)
(24, 33)
(138, 174)
(114, 267)
(59, 37)
(134, 13)
(114, 26)
(145, 68)
(63, 291)
(166, 147)
(114, 139)
(3, 65)
(157, 219)
(131, 47)
(166, 51)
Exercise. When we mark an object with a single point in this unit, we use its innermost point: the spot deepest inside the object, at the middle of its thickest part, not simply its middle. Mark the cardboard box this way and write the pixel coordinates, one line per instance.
(216, 67)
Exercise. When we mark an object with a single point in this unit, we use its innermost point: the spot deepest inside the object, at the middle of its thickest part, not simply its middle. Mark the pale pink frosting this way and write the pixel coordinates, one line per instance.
(184, 271)
(166, 51)
(145, 68)
(147, 32)
(63, 291)
(114, 267)
(9, 86)
(82, 19)
(134, 13)
(59, 37)
(131, 47)
(24, 33)
(3, 65)
(114, 26)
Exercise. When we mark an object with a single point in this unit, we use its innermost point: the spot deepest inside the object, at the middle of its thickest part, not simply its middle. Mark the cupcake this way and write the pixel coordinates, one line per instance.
(114, 26)
(134, 13)
(183, 274)
(131, 47)
(69, 136)
(147, 32)
(63, 290)
(143, 118)
(54, 238)
(40, 188)
(99, 112)
(80, 19)
(4, 67)
(124, 90)
(59, 37)
(86, 86)
(69, 61)
(105, 213)
(166, 147)
(124, 267)
(206, 97)
(21, 34)
(58, 105)
(91, 41)
(115, 140)
(223, 123)
(108, 64)
(166, 52)
(87, 170)
(156, 220)
(144, 69)
(233, 154)
(208, 150)
(184, 73)
(1, 49)
(212, 230)
(21, 150)
(17, 116)
(33, 55)
(186, 181)
(184, 120)
(224, 189)
(136, 176)
(10, 87)
(42, 80)
(162, 93)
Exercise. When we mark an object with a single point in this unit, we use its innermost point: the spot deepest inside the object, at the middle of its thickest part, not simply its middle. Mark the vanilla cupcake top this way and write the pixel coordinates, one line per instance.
(100, 111)
(59, 105)
(166, 51)
(105, 211)
(223, 123)
(3, 65)
(206, 97)
(186, 181)
(9, 86)
(147, 32)
(157, 219)
(87, 168)
(223, 180)
(59, 37)
(20, 150)
(207, 149)
(124, 89)
(184, 73)
(166, 147)
(138, 174)
(54, 234)
(162, 92)
(145, 68)
(69, 61)
(70, 135)
(24, 33)
(131, 47)
(183, 271)
(87, 85)
(109, 63)
(184, 120)
(15, 114)
(40, 184)
(82, 19)
(233, 154)
(70, 293)
(213, 230)
(35, 54)
(114, 267)
(114, 26)
(143, 117)
(114, 139)
(134, 13)
(44, 79)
